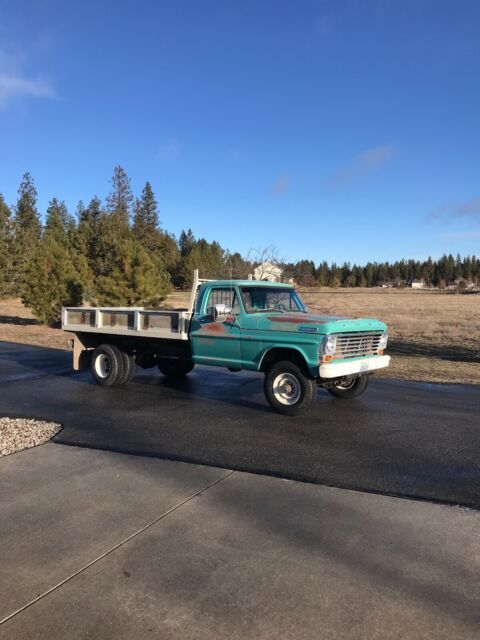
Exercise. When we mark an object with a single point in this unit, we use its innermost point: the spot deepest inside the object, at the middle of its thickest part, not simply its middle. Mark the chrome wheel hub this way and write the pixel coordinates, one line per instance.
(286, 389)
(102, 366)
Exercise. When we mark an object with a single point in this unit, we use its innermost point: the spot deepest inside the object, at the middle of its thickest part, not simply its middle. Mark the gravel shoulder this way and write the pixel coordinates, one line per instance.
(22, 433)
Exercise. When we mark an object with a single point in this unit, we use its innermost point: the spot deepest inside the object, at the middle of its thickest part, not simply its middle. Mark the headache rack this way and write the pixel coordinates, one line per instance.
(357, 344)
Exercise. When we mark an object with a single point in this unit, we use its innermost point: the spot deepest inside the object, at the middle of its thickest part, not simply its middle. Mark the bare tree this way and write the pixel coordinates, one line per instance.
(267, 260)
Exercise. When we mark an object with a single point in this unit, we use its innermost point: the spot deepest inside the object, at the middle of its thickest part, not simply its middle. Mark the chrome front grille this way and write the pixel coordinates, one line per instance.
(355, 345)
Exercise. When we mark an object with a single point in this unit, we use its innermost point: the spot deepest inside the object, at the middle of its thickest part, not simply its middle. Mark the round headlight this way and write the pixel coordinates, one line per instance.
(382, 345)
(330, 345)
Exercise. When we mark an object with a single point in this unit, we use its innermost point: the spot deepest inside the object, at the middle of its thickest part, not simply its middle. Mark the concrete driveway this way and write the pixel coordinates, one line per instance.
(106, 545)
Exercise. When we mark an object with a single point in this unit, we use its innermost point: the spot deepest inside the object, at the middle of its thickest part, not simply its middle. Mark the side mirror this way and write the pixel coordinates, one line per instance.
(220, 312)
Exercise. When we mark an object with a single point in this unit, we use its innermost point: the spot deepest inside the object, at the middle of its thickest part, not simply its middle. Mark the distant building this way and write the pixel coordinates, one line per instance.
(461, 283)
(417, 284)
(268, 271)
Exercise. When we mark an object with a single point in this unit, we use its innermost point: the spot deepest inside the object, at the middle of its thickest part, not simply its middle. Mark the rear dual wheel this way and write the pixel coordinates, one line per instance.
(110, 366)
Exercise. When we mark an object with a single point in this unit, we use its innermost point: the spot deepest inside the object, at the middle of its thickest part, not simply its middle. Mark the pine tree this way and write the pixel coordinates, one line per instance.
(51, 281)
(189, 259)
(184, 274)
(86, 241)
(57, 223)
(304, 272)
(6, 241)
(170, 253)
(132, 278)
(119, 201)
(350, 280)
(322, 274)
(186, 242)
(211, 259)
(146, 221)
(428, 271)
(27, 229)
(91, 214)
(369, 274)
(80, 238)
(360, 278)
(335, 276)
(237, 267)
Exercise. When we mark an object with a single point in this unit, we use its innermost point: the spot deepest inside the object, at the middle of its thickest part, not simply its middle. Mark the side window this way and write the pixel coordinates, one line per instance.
(227, 297)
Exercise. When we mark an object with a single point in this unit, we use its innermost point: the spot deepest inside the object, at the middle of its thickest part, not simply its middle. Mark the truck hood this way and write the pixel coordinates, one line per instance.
(313, 324)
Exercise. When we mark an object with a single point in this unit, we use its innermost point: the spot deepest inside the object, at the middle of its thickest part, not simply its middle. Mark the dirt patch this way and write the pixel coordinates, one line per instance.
(17, 324)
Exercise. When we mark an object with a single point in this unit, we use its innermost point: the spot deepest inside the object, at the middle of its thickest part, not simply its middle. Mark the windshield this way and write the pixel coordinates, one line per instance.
(256, 299)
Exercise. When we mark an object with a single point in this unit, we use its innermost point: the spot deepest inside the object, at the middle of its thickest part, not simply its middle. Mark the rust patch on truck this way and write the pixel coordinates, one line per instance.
(214, 327)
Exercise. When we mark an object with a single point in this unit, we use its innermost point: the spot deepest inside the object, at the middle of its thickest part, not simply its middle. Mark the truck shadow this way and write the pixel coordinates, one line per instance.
(24, 361)
(454, 353)
(18, 321)
(218, 386)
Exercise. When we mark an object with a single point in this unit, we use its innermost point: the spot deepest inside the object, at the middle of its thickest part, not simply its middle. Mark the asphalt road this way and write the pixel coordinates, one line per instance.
(405, 439)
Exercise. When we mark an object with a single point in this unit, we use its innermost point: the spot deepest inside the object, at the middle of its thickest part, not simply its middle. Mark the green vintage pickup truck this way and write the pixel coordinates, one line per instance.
(237, 324)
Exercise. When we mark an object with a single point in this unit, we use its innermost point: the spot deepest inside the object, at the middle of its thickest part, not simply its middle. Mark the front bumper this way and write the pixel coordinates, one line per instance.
(340, 369)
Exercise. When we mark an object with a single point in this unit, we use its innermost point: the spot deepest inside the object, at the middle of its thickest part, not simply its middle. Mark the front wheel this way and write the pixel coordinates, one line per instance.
(348, 387)
(288, 390)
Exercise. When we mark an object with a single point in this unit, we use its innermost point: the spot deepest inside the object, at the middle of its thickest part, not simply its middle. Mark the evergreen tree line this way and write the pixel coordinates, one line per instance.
(116, 253)
(112, 253)
(446, 271)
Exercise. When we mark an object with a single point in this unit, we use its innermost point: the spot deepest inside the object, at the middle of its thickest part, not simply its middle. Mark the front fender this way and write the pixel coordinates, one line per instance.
(299, 350)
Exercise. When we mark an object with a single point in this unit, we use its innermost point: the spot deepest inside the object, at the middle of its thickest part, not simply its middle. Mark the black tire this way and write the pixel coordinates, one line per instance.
(106, 365)
(288, 389)
(128, 368)
(175, 368)
(349, 388)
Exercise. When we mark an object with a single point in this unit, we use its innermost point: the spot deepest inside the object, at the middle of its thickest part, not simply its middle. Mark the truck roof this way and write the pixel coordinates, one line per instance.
(249, 283)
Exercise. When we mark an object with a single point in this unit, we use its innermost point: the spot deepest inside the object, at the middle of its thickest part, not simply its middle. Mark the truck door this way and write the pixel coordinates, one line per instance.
(216, 343)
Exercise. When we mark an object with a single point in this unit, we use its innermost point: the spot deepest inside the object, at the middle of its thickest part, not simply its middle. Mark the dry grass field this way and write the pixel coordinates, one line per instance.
(434, 336)
(17, 324)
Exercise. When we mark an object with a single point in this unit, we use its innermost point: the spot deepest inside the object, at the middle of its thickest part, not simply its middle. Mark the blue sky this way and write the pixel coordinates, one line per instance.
(338, 130)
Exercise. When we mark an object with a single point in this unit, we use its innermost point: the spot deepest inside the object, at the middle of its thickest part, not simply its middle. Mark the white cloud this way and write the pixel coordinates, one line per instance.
(170, 150)
(461, 235)
(13, 87)
(366, 162)
(467, 209)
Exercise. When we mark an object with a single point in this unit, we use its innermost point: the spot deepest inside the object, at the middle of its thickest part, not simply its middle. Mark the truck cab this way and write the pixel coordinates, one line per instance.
(264, 326)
